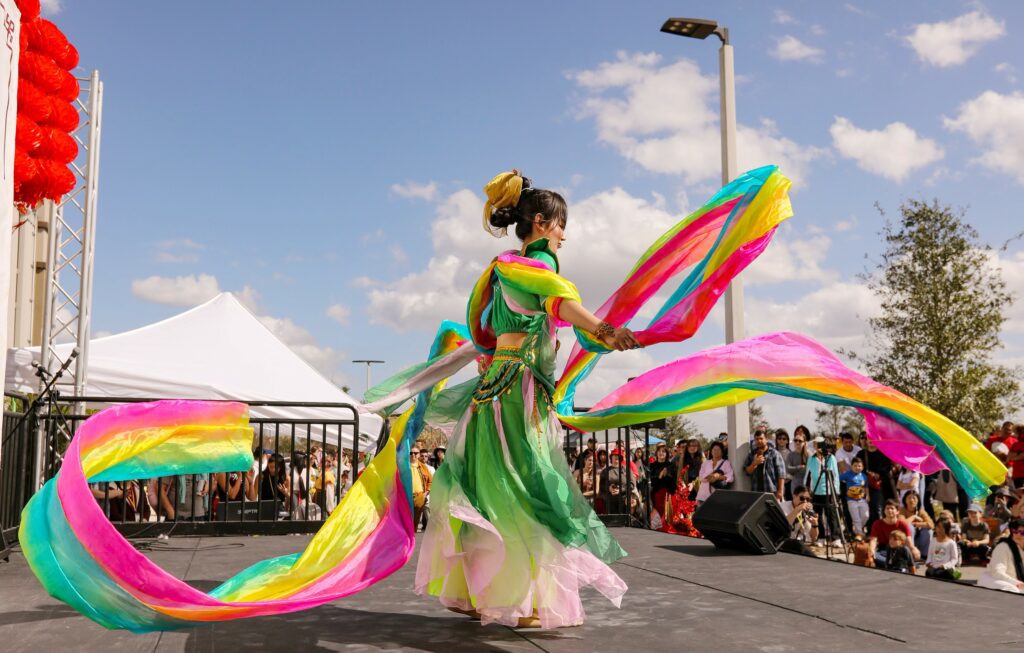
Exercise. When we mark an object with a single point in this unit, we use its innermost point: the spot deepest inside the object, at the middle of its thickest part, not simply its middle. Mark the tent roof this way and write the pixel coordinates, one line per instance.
(218, 350)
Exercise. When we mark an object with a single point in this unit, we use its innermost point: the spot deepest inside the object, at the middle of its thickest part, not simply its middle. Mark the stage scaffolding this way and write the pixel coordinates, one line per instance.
(67, 302)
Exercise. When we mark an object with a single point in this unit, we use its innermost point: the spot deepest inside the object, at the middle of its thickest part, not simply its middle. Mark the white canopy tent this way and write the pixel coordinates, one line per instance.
(218, 350)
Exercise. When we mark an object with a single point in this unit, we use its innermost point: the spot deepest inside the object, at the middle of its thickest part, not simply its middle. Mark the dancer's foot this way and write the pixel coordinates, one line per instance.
(472, 614)
(529, 622)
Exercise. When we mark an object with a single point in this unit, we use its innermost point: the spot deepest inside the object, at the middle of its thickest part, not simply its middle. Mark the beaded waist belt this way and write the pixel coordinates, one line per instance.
(509, 363)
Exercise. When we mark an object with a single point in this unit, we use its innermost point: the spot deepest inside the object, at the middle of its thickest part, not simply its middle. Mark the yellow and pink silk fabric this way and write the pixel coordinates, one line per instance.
(81, 559)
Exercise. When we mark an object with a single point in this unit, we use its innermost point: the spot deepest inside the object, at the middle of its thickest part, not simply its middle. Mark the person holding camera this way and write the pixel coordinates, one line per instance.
(803, 522)
(823, 480)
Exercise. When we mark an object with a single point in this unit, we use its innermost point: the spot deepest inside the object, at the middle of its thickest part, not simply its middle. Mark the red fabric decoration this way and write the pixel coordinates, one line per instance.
(45, 38)
(57, 178)
(33, 103)
(25, 167)
(69, 88)
(47, 114)
(63, 115)
(28, 136)
(57, 145)
(41, 71)
(29, 9)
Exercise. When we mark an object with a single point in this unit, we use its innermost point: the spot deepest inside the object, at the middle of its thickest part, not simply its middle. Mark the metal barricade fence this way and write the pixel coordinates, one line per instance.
(288, 488)
(621, 497)
(296, 479)
(17, 454)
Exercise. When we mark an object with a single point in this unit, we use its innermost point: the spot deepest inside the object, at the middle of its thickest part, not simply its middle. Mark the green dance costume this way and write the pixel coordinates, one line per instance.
(511, 535)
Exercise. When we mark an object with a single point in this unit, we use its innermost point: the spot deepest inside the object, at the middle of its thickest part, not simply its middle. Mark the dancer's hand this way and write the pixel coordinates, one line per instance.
(621, 339)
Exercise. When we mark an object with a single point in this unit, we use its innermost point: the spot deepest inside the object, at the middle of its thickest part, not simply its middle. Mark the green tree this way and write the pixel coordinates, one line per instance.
(943, 305)
(680, 427)
(756, 418)
(832, 420)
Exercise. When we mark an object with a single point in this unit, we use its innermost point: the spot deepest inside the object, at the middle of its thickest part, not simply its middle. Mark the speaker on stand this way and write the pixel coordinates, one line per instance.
(748, 521)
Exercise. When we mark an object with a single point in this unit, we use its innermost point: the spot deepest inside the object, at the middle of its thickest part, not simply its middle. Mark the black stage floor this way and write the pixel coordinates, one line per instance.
(684, 596)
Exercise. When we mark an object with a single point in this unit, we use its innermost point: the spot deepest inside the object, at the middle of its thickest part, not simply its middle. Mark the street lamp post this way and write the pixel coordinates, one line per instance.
(369, 363)
(737, 416)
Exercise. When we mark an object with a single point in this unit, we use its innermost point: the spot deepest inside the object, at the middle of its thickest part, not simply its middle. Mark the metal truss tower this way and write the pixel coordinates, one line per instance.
(71, 250)
(72, 243)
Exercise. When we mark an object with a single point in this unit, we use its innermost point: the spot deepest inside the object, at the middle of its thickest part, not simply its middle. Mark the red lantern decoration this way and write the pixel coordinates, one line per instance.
(33, 103)
(28, 136)
(29, 10)
(57, 146)
(47, 115)
(63, 115)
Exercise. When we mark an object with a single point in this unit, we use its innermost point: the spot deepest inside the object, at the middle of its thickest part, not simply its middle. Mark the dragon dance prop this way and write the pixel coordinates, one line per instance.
(82, 560)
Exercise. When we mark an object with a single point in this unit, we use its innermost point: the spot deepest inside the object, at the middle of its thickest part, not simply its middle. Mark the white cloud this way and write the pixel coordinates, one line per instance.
(893, 152)
(791, 260)
(398, 254)
(780, 17)
(665, 119)
(995, 122)
(1008, 69)
(953, 42)
(790, 48)
(413, 190)
(182, 250)
(190, 290)
(327, 360)
(51, 7)
(854, 9)
(845, 225)
(1011, 266)
(339, 313)
(835, 314)
(615, 227)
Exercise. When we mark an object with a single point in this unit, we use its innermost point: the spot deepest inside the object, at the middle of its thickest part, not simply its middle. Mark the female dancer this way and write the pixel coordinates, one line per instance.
(514, 538)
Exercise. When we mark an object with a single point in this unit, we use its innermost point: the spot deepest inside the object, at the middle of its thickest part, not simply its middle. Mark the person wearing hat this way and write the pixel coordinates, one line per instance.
(1002, 501)
(1006, 569)
(439, 454)
(974, 538)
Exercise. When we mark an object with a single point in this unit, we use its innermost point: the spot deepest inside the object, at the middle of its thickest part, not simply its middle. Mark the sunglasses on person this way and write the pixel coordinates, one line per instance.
(414, 453)
(804, 497)
(1018, 531)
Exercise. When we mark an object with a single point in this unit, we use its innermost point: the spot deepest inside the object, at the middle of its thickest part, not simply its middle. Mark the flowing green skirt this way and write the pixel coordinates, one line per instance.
(510, 533)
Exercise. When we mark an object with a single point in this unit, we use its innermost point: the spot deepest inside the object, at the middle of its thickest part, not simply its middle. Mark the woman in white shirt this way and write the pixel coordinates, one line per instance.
(714, 469)
(908, 480)
(1005, 569)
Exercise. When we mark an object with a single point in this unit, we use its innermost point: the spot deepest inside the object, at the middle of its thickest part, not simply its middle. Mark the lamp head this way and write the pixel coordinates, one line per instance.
(696, 28)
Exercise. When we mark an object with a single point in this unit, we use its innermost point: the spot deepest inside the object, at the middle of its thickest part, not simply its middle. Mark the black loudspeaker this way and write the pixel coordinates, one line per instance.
(748, 521)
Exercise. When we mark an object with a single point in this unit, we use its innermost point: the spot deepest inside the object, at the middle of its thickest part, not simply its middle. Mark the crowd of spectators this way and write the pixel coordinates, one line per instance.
(834, 491)
(301, 486)
(839, 494)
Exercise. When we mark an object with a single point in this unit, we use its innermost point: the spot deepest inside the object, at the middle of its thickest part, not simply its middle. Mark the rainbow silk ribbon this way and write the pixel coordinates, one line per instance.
(81, 559)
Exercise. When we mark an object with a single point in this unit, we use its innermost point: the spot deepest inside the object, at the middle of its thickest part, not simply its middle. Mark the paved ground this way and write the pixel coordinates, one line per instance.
(684, 596)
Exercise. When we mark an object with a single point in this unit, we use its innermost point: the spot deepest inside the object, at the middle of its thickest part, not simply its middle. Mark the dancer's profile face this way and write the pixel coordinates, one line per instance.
(554, 231)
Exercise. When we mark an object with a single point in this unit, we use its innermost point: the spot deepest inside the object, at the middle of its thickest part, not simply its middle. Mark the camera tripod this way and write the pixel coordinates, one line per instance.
(831, 513)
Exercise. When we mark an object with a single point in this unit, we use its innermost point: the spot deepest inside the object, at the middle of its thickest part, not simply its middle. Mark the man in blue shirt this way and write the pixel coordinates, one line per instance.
(765, 467)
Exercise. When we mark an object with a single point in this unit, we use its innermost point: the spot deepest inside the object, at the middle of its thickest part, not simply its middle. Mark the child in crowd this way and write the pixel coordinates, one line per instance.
(954, 526)
(856, 483)
(943, 553)
(899, 557)
(974, 543)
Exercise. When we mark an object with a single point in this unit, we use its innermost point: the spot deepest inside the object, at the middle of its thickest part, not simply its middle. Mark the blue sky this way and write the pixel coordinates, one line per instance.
(325, 160)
